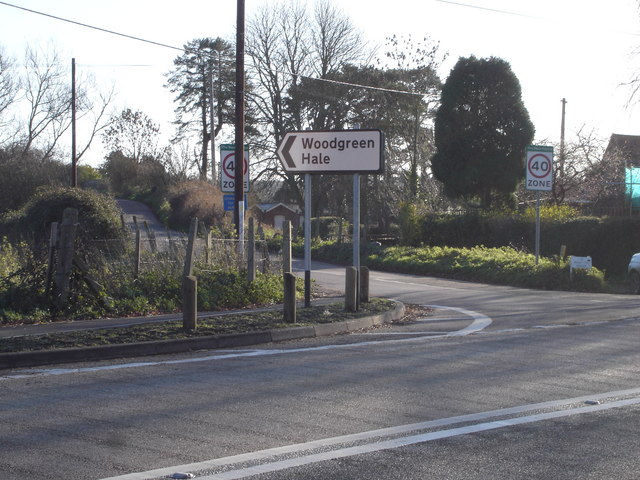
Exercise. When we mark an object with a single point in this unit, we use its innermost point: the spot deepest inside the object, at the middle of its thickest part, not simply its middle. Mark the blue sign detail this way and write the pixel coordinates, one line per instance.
(229, 202)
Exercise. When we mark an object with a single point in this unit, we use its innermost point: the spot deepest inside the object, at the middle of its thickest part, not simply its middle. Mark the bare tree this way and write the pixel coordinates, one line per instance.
(581, 157)
(46, 90)
(334, 39)
(8, 82)
(287, 43)
(181, 161)
(134, 134)
(601, 173)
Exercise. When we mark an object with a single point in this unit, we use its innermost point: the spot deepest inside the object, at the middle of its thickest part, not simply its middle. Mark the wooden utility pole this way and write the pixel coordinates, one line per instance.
(562, 152)
(239, 134)
(74, 165)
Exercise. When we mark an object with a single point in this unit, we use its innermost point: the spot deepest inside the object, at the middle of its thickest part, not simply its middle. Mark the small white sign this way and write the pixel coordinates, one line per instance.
(581, 262)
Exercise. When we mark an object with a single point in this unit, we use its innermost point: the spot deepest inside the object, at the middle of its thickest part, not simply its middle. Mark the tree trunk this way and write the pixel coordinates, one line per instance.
(205, 127)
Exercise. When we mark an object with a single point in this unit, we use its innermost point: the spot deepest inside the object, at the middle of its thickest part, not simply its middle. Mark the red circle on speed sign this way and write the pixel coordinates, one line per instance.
(539, 165)
(229, 166)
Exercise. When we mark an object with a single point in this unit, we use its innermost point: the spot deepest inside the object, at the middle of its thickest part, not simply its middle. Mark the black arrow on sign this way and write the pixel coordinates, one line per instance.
(285, 151)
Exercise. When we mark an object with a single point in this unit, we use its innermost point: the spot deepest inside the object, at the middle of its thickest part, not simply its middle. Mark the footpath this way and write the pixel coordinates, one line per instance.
(107, 352)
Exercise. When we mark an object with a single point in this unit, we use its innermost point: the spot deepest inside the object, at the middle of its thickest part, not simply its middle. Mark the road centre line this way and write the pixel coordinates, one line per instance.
(479, 322)
(376, 444)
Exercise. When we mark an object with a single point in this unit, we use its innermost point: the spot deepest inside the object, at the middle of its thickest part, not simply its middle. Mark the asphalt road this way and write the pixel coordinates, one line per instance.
(497, 383)
(137, 212)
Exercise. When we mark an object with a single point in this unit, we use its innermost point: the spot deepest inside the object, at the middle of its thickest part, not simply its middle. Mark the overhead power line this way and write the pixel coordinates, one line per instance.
(494, 10)
(524, 15)
(92, 27)
(186, 50)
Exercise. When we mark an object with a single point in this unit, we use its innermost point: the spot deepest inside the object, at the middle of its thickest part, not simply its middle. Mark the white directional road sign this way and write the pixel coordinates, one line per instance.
(332, 151)
(539, 165)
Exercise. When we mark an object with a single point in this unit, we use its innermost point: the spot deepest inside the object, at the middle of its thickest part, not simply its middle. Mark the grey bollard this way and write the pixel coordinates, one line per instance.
(289, 298)
(189, 303)
(350, 290)
(364, 284)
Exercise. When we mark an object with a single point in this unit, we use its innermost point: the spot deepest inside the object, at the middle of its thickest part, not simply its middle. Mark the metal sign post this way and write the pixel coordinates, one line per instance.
(356, 234)
(338, 152)
(307, 240)
(539, 177)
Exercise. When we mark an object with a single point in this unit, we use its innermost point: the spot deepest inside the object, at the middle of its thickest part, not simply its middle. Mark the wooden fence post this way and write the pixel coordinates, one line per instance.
(266, 262)
(136, 260)
(251, 257)
(53, 246)
(152, 238)
(190, 256)
(189, 282)
(208, 247)
(286, 247)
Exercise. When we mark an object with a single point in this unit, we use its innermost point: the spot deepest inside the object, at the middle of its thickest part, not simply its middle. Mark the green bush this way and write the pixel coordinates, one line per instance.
(409, 224)
(23, 172)
(555, 213)
(220, 290)
(98, 215)
(610, 242)
(22, 283)
(504, 265)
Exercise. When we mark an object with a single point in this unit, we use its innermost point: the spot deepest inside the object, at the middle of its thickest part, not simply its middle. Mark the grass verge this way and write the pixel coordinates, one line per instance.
(216, 325)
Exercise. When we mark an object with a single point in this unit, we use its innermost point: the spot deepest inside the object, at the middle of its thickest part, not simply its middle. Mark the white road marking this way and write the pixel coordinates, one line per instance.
(479, 322)
(376, 442)
(415, 284)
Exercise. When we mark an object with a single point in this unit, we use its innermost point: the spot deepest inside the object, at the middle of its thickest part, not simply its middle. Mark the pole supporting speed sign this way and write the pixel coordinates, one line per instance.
(539, 165)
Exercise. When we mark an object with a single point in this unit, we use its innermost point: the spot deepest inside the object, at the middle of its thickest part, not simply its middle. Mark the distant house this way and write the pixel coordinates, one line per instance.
(625, 146)
(624, 150)
(275, 214)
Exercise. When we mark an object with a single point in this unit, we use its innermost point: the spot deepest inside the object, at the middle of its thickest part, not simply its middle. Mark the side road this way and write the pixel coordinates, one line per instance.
(45, 357)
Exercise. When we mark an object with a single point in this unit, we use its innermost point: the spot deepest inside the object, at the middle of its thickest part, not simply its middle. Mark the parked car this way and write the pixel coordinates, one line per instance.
(633, 273)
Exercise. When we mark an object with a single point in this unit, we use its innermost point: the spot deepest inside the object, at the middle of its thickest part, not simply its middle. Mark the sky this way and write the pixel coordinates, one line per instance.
(580, 50)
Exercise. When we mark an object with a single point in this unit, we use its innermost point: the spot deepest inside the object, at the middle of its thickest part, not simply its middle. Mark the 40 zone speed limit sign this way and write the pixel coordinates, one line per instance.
(228, 168)
(539, 165)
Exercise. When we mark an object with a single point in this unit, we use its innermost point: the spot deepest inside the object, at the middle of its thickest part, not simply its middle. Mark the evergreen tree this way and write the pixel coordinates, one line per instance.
(481, 131)
(206, 62)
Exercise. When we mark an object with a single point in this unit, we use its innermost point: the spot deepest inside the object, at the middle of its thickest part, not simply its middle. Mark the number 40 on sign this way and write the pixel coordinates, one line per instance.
(539, 168)
(228, 168)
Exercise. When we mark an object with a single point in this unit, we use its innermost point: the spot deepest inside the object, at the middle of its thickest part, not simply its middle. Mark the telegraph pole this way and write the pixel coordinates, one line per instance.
(564, 103)
(239, 137)
(74, 165)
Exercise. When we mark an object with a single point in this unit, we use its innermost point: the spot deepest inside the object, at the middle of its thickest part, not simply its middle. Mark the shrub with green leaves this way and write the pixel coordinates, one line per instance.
(553, 213)
(22, 283)
(99, 215)
(503, 265)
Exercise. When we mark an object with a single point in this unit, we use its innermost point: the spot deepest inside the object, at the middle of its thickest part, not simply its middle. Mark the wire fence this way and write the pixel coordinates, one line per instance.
(113, 260)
